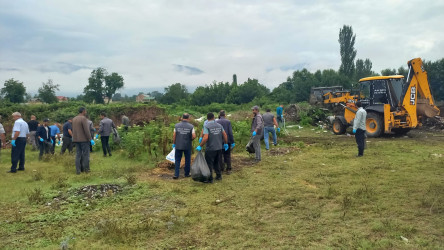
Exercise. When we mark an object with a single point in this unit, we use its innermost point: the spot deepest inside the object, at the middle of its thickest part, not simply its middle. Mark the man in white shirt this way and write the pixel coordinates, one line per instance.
(359, 128)
(19, 133)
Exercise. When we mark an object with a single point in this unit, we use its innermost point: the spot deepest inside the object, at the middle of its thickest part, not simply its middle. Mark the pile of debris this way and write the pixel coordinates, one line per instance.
(435, 123)
(292, 113)
(99, 191)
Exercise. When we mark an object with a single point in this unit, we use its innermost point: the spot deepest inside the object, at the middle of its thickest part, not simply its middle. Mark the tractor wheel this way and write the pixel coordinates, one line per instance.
(338, 127)
(374, 124)
(400, 131)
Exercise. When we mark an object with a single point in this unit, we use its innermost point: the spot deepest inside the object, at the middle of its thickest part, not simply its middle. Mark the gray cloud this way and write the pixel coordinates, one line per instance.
(187, 69)
(62, 67)
(257, 39)
(9, 69)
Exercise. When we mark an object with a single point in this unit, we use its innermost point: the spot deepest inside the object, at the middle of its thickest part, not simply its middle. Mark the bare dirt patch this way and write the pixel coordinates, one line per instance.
(282, 151)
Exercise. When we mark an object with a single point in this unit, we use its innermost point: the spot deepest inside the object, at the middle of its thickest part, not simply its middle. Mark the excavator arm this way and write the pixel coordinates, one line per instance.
(418, 99)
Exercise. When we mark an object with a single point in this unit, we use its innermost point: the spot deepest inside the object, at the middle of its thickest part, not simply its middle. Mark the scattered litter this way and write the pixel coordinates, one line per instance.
(437, 155)
(291, 126)
(312, 129)
(323, 164)
(300, 127)
(325, 131)
(367, 141)
(404, 239)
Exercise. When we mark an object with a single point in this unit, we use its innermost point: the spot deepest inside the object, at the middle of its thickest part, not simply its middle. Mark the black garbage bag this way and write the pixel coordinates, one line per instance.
(199, 169)
(249, 147)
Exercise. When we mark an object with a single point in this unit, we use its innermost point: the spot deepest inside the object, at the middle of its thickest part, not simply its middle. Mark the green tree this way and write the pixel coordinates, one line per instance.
(246, 92)
(363, 68)
(435, 75)
(175, 93)
(47, 91)
(113, 83)
(14, 91)
(347, 50)
(234, 79)
(157, 95)
(388, 72)
(94, 91)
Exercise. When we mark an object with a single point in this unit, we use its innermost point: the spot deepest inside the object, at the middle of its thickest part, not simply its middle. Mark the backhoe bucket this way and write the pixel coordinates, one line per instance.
(424, 108)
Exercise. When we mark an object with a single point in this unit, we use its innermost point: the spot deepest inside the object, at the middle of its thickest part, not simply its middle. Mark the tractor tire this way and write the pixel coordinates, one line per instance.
(338, 127)
(374, 124)
(401, 131)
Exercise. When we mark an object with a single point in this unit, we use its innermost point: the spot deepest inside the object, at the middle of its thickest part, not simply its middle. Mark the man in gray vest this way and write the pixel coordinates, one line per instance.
(183, 137)
(226, 124)
(216, 140)
(105, 129)
(257, 127)
(269, 123)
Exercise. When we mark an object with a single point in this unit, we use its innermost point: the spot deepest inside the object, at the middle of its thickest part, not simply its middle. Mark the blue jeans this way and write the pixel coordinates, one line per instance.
(268, 130)
(178, 159)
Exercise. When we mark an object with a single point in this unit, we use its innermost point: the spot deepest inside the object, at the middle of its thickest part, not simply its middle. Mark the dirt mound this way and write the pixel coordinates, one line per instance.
(140, 115)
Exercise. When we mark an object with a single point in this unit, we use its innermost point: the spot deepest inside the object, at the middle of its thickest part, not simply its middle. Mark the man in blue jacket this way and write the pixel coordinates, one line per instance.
(43, 134)
(226, 124)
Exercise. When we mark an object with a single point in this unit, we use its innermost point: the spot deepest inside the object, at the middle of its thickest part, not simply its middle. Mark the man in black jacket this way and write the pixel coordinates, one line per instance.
(43, 134)
(226, 124)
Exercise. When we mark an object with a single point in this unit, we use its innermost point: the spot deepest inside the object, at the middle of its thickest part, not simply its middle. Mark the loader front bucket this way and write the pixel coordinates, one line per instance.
(424, 108)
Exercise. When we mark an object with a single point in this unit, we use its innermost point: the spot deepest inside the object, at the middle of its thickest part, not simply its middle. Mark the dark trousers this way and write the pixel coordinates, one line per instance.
(53, 144)
(105, 145)
(18, 154)
(67, 144)
(226, 160)
(360, 140)
(178, 159)
(45, 147)
(213, 159)
(82, 157)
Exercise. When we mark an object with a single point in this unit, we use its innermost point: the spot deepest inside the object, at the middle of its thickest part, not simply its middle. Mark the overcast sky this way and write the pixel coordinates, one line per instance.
(155, 43)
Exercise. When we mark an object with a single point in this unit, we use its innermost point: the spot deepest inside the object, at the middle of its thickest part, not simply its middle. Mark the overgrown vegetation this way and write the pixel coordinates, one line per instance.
(310, 192)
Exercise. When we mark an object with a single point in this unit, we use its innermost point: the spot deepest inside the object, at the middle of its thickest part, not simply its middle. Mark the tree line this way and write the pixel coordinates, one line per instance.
(103, 86)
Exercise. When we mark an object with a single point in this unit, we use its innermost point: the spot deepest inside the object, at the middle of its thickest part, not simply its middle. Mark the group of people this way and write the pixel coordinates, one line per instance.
(77, 131)
(217, 137)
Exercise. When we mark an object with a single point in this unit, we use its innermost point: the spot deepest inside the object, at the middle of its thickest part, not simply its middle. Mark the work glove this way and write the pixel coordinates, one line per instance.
(41, 139)
(354, 131)
(52, 142)
(93, 143)
(254, 133)
(13, 143)
(232, 145)
(279, 130)
(226, 147)
(200, 140)
(199, 148)
(97, 136)
(58, 143)
(174, 145)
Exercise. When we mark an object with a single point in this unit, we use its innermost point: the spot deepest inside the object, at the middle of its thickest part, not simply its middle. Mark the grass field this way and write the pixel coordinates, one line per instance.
(309, 192)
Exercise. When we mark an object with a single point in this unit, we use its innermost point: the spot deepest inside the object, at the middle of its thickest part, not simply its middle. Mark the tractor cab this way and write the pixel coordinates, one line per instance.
(379, 90)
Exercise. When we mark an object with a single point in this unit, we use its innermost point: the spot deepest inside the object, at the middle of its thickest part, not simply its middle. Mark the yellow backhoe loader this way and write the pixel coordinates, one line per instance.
(392, 103)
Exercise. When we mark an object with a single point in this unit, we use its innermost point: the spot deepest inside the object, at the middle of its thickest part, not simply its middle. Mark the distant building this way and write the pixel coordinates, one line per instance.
(62, 98)
(144, 98)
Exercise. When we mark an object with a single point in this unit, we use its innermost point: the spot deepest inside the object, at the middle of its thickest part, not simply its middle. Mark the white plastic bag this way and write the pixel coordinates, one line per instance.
(171, 156)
